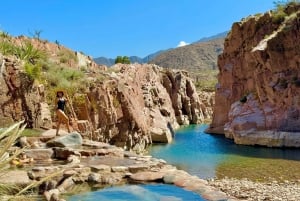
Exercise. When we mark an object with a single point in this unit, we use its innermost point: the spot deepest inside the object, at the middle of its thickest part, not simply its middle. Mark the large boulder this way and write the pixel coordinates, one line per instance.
(70, 140)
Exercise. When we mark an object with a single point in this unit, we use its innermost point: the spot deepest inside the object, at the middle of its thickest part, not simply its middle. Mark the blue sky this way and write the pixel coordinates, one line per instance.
(124, 27)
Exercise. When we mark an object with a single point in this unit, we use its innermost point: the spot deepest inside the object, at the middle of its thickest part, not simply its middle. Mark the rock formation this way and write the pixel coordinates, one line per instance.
(257, 97)
(20, 98)
(141, 104)
(130, 106)
(207, 100)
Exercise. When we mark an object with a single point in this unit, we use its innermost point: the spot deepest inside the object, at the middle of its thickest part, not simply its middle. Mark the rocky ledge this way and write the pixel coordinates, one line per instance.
(69, 160)
(255, 191)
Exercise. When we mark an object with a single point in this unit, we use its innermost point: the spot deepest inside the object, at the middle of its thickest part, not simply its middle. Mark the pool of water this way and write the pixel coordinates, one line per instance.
(200, 153)
(151, 192)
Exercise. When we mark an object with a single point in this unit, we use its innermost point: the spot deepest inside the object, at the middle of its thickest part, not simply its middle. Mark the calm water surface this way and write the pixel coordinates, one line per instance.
(194, 151)
(200, 153)
(158, 192)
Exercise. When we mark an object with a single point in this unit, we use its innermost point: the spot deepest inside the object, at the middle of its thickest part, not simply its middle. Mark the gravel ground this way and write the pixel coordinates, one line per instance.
(248, 190)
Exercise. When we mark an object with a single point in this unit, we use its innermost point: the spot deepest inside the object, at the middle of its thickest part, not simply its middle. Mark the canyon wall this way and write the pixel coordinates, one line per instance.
(135, 105)
(258, 94)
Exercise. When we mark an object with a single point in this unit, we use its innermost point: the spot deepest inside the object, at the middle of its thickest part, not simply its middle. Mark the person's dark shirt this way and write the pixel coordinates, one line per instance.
(61, 104)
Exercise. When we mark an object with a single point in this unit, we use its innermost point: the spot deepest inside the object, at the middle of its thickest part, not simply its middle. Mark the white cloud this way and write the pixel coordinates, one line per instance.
(182, 43)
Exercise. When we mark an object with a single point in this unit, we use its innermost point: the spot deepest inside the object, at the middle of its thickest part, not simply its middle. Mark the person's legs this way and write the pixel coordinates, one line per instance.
(57, 126)
(63, 118)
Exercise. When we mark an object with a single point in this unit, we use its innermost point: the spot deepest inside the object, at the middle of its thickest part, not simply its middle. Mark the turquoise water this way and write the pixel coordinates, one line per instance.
(200, 154)
(158, 192)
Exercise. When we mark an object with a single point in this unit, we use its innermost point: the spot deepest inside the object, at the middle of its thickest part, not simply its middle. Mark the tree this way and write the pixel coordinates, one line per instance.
(119, 60)
(36, 34)
(122, 60)
(126, 60)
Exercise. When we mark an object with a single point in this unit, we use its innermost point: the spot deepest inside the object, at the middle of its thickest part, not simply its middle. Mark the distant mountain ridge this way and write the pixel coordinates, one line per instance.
(220, 35)
(151, 58)
(133, 59)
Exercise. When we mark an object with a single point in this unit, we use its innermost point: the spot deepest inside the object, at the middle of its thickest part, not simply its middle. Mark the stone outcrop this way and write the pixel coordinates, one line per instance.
(207, 102)
(20, 97)
(140, 104)
(257, 97)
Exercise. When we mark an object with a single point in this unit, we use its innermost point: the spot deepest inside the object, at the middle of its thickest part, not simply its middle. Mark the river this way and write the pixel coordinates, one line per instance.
(206, 156)
(203, 154)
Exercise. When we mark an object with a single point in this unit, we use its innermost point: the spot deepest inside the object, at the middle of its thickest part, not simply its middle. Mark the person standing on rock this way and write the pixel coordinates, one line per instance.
(60, 111)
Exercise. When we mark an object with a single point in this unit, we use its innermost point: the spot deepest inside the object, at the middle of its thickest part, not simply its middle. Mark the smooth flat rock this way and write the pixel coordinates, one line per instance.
(64, 153)
(119, 169)
(40, 154)
(147, 176)
(100, 168)
(15, 177)
(94, 144)
(69, 140)
(51, 133)
(138, 167)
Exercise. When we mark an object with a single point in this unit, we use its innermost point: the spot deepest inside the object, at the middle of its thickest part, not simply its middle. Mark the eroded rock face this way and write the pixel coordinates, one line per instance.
(257, 97)
(141, 104)
(20, 98)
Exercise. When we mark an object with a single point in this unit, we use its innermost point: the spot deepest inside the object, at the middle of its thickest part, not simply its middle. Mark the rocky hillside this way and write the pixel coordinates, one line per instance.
(127, 105)
(257, 97)
(194, 57)
(31, 70)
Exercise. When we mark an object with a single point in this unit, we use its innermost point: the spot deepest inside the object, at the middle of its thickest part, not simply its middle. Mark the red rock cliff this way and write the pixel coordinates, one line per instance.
(258, 94)
(139, 104)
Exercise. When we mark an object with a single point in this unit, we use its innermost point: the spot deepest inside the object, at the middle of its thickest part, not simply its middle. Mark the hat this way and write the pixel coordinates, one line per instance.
(59, 91)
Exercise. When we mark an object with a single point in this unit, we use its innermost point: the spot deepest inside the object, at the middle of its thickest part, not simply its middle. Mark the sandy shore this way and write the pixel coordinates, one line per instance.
(245, 189)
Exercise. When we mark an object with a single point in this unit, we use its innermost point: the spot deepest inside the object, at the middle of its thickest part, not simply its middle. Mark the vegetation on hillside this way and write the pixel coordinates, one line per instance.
(206, 80)
(279, 13)
(41, 68)
(32, 57)
(122, 60)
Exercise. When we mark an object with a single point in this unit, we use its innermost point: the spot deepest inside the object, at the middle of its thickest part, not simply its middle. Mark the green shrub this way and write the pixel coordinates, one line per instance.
(279, 17)
(279, 13)
(122, 60)
(67, 55)
(32, 70)
(7, 48)
(4, 34)
(243, 99)
(29, 53)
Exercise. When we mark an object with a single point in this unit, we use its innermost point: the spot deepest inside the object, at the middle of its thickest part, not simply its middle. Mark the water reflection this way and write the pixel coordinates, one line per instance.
(159, 192)
(201, 153)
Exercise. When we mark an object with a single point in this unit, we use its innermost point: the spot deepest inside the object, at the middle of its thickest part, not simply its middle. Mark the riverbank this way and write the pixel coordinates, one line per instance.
(245, 189)
(60, 163)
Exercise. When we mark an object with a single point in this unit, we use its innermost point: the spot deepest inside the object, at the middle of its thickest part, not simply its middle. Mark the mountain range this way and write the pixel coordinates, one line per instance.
(208, 47)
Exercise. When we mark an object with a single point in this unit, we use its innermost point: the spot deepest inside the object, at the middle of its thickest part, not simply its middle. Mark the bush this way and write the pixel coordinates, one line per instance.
(32, 70)
(4, 34)
(7, 48)
(30, 54)
(122, 60)
(279, 13)
(67, 55)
